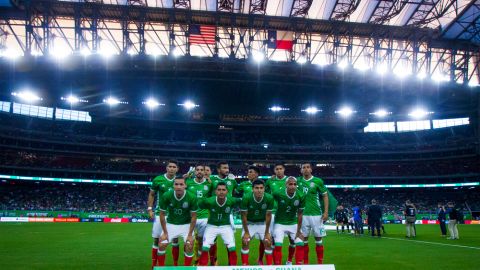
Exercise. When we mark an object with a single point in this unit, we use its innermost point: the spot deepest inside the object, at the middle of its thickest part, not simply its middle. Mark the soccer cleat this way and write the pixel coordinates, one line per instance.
(260, 262)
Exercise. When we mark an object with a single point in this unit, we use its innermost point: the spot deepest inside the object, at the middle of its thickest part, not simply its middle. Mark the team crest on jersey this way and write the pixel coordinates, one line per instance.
(205, 188)
(229, 183)
(185, 205)
(227, 210)
(296, 203)
(312, 185)
(264, 206)
(213, 209)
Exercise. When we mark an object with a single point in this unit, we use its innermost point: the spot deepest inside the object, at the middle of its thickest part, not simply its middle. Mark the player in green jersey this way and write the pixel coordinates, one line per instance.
(256, 208)
(181, 207)
(219, 208)
(224, 176)
(202, 189)
(246, 186)
(160, 185)
(289, 221)
(313, 216)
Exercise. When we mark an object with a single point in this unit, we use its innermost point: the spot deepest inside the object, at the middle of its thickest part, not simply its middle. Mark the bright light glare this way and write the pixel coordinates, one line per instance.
(345, 111)
(381, 113)
(343, 64)
(111, 101)
(419, 113)
(72, 99)
(188, 105)
(278, 108)
(27, 95)
(311, 110)
(151, 103)
(258, 56)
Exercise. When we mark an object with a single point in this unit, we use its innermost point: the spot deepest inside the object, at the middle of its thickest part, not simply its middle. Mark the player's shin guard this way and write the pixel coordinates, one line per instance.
(232, 256)
(299, 253)
(175, 253)
(261, 251)
(188, 259)
(269, 256)
(154, 255)
(320, 250)
(277, 254)
(161, 258)
(291, 252)
(306, 250)
(245, 256)
(203, 258)
(213, 254)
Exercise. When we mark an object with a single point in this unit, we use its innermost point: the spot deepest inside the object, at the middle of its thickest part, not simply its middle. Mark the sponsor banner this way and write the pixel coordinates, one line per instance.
(13, 219)
(66, 220)
(476, 222)
(139, 220)
(97, 216)
(253, 267)
(115, 220)
(86, 220)
(37, 214)
(39, 219)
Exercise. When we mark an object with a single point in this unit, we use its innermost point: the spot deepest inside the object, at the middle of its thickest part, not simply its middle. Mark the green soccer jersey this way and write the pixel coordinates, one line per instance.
(289, 206)
(245, 187)
(231, 183)
(179, 210)
(313, 189)
(219, 215)
(256, 210)
(201, 190)
(161, 184)
(273, 185)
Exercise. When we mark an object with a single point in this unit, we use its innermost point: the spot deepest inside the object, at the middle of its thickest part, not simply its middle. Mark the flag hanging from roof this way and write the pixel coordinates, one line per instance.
(201, 34)
(280, 40)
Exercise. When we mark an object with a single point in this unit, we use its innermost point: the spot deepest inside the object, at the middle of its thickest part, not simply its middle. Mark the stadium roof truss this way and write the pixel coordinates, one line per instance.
(433, 37)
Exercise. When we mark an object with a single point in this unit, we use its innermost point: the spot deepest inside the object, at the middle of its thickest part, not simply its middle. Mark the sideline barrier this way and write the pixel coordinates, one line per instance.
(252, 267)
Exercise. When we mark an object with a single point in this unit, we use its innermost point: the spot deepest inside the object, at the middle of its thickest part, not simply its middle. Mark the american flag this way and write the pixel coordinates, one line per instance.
(202, 34)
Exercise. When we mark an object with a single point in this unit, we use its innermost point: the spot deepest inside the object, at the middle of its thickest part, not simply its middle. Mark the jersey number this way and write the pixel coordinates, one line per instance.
(219, 216)
(199, 194)
(178, 212)
(288, 209)
(257, 212)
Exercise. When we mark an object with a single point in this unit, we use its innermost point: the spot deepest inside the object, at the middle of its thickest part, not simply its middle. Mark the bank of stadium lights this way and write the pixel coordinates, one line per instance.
(343, 64)
(258, 56)
(302, 60)
(203, 143)
(421, 75)
(439, 77)
(72, 99)
(112, 101)
(265, 145)
(152, 103)
(278, 109)
(418, 113)
(188, 105)
(11, 54)
(381, 113)
(27, 96)
(177, 52)
(311, 110)
(345, 112)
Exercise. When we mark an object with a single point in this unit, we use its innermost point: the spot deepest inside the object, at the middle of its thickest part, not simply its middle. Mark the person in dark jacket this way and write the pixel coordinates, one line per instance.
(454, 217)
(374, 213)
(442, 217)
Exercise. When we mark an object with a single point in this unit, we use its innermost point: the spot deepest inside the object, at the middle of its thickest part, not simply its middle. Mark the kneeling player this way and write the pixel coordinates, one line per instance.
(256, 208)
(219, 207)
(181, 207)
(288, 220)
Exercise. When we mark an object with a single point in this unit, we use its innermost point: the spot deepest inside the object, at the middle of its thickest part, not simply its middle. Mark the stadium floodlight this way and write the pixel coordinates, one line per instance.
(345, 112)
(131, 51)
(381, 113)
(439, 77)
(11, 54)
(361, 65)
(419, 113)
(203, 143)
(27, 96)
(177, 52)
(473, 83)
(311, 110)
(85, 52)
(71, 99)
(278, 109)
(258, 56)
(302, 60)
(343, 64)
(152, 103)
(421, 75)
(188, 105)
(382, 69)
(111, 101)
(265, 145)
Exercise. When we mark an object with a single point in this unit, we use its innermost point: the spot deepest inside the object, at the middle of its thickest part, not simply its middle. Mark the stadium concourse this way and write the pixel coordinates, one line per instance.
(286, 135)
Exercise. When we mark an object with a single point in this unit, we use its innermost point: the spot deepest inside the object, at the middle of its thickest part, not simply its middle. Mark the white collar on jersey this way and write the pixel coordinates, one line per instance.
(311, 177)
(195, 180)
(166, 177)
(284, 177)
(183, 196)
(256, 200)
(216, 199)
(289, 196)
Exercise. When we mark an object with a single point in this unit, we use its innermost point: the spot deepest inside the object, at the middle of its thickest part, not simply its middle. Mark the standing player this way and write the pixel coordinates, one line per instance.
(339, 217)
(224, 176)
(160, 185)
(246, 186)
(274, 184)
(313, 216)
(357, 220)
(288, 221)
(202, 189)
(256, 208)
(410, 218)
(208, 173)
(219, 208)
(181, 206)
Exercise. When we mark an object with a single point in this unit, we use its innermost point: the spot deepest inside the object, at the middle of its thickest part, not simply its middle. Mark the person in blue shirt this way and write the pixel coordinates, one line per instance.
(357, 219)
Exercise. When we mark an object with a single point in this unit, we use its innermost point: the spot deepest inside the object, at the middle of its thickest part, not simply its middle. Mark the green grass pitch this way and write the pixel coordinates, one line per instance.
(128, 246)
